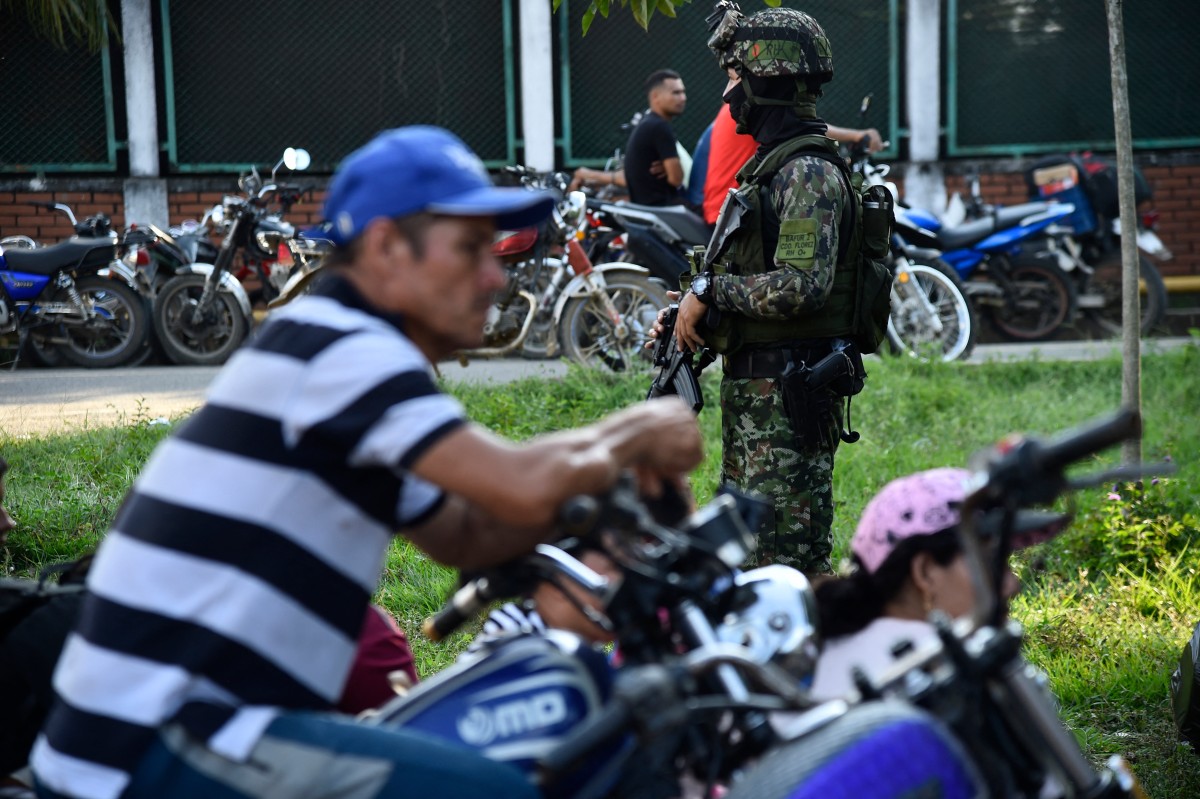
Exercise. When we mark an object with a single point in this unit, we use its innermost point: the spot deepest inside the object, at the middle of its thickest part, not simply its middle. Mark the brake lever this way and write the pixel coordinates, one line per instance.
(1122, 474)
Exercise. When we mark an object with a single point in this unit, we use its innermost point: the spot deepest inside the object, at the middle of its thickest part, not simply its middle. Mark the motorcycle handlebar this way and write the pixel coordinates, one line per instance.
(514, 577)
(1030, 471)
(466, 602)
(1090, 439)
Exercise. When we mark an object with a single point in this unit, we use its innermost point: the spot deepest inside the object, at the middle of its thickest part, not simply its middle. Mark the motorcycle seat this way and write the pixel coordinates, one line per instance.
(690, 226)
(72, 253)
(969, 233)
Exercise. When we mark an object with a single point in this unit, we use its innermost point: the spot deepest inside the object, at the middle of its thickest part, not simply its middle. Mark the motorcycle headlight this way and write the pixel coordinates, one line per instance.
(779, 625)
(571, 210)
(268, 242)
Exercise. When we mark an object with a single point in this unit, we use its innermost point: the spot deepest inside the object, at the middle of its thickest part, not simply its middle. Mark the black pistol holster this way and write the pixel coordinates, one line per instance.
(810, 390)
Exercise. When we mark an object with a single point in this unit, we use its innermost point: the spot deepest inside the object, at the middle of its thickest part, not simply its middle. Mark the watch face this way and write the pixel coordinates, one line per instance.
(700, 285)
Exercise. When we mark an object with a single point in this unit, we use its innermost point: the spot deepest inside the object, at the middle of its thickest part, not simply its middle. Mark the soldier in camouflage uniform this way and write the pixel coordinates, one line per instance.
(774, 289)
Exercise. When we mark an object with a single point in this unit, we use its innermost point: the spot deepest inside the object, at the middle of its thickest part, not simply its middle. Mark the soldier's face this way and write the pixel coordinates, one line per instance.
(734, 80)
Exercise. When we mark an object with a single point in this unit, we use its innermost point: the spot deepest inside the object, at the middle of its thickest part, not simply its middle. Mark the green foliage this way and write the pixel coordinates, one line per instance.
(642, 10)
(64, 22)
(1134, 527)
(1106, 607)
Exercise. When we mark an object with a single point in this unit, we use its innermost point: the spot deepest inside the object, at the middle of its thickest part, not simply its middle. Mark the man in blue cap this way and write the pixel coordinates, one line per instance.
(225, 602)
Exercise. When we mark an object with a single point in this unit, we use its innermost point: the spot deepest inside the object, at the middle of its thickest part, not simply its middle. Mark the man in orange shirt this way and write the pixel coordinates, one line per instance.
(728, 150)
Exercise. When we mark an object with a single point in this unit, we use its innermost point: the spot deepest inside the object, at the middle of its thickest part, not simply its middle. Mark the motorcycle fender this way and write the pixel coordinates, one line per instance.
(583, 285)
(121, 271)
(1149, 243)
(228, 283)
(921, 253)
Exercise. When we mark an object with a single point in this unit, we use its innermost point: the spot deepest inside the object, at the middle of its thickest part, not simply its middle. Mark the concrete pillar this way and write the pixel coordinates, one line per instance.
(145, 191)
(924, 183)
(537, 84)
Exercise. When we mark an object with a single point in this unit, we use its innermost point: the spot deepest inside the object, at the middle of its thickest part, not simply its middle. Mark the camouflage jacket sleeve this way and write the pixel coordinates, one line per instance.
(809, 196)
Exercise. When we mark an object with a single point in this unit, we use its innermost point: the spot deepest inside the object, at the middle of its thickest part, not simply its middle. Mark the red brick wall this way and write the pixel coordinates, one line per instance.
(17, 217)
(183, 205)
(1176, 189)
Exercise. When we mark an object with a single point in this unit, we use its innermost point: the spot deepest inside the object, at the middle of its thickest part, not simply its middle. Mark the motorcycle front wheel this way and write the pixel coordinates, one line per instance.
(1039, 299)
(1101, 301)
(206, 342)
(115, 330)
(934, 299)
(589, 337)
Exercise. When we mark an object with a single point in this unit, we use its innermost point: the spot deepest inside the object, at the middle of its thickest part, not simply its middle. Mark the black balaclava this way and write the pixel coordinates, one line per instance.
(789, 111)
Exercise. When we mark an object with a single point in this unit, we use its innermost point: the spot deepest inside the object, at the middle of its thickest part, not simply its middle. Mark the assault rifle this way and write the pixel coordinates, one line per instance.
(678, 374)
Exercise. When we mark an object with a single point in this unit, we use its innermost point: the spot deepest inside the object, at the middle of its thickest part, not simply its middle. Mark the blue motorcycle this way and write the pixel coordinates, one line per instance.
(75, 301)
(1007, 263)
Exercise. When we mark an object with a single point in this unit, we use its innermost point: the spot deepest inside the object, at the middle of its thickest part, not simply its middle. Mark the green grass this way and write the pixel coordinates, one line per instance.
(1107, 607)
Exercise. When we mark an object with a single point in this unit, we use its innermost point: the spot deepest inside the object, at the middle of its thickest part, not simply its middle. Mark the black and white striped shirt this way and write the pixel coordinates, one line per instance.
(234, 579)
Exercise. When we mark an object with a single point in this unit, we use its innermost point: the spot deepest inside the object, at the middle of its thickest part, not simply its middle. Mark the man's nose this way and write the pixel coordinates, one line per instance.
(494, 276)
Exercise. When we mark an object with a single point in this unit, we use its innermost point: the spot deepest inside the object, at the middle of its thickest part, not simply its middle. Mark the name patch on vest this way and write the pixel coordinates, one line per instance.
(798, 242)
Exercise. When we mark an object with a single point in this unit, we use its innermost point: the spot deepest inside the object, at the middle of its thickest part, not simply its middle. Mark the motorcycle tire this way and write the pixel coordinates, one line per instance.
(210, 343)
(909, 330)
(1039, 299)
(115, 335)
(40, 349)
(589, 338)
(1105, 282)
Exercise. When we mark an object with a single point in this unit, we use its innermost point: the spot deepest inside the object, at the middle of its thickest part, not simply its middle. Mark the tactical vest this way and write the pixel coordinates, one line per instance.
(745, 239)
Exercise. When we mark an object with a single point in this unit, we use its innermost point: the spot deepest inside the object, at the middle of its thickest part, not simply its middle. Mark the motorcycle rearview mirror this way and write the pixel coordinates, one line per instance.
(296, 159)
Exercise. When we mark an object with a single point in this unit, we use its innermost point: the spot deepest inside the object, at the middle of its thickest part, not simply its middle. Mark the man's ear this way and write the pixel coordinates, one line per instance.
(380, 239)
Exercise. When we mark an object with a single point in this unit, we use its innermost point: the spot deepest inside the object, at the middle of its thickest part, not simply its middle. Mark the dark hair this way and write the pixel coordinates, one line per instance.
(3, 466)
(412, 227)
(847, 604)
(658, 77)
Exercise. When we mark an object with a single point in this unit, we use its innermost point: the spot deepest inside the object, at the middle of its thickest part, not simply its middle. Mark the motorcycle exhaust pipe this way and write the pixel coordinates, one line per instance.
(496, 352)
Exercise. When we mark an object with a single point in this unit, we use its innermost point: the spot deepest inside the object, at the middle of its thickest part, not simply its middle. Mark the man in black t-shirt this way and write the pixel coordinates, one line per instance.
(653, 170)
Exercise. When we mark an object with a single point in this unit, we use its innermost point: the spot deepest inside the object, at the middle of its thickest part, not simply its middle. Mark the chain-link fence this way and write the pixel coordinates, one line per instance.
(603, 73)
(58, 105)
(246, 79)
(1034, 75)
(239, 81)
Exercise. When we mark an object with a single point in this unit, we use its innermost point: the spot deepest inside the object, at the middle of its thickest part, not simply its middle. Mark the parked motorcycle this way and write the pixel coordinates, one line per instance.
(202, 313)
(556, 300)
(1090, 249)
(1005, 262)
(74, 300)
(659, 237)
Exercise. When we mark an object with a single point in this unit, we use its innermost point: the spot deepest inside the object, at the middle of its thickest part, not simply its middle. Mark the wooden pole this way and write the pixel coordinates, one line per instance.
(1131, 322)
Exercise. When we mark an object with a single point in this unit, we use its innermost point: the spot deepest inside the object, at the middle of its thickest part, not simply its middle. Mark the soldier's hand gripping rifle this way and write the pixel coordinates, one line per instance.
(678, 370)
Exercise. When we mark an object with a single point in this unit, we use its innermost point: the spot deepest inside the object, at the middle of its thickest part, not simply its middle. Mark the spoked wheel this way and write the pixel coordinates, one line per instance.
(931, 317)
(1101, 302)
(1039, 299)
(206, 341)
(590, 337)
(115, 330)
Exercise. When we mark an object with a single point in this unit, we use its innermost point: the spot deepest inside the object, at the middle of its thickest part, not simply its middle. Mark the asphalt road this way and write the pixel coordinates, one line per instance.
(34, 401)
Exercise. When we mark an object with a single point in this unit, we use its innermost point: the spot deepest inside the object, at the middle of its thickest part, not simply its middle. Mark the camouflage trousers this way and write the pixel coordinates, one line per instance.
(760, 454)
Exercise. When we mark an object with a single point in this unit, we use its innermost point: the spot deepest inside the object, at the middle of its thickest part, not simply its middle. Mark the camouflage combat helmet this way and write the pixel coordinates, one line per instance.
(771, 43)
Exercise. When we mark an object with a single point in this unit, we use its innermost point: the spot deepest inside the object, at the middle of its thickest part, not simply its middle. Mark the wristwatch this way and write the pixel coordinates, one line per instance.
(702, 287)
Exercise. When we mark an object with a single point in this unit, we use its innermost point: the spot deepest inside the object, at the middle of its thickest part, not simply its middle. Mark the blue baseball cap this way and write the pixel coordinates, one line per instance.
(422, 169)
